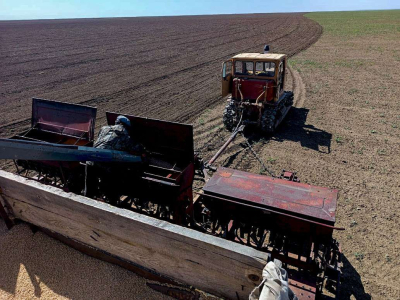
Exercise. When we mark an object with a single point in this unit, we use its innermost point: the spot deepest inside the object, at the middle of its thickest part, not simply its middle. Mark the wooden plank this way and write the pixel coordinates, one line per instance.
(209, 263)
(4, 214)
(100, 254)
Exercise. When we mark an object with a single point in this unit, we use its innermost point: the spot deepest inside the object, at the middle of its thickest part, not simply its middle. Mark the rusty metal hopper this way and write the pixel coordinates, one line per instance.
(292, 221)
(169, 175)
(57, 123)
(292, 199)
(60, 123)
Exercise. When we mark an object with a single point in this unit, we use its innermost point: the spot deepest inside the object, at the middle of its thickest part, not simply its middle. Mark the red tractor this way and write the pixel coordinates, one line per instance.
(255, 85)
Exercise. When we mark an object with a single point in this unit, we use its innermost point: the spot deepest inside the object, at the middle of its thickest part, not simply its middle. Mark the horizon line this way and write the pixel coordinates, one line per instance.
(194, 15)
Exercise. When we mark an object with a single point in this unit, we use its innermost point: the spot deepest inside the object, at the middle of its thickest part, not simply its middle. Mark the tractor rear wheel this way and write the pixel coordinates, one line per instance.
(229, 116)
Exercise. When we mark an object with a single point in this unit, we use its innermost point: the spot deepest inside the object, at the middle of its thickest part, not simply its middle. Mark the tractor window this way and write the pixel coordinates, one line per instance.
(244, 68)
(226, 69)
(265, 69)
(238, 68)
(249, 66)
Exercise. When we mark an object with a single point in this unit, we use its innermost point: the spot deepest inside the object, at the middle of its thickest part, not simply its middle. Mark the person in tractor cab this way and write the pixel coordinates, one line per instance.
(106, 180)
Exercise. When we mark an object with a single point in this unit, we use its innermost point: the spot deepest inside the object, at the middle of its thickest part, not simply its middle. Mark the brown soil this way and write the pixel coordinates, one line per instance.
(349, 140)
(343, 133)
(167, 68)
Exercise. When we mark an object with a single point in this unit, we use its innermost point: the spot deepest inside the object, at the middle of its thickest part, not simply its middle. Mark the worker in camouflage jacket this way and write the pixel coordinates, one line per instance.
(117, 137)
(109, 179)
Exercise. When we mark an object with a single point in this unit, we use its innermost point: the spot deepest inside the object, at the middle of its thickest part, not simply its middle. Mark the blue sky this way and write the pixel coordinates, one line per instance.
(55, 9)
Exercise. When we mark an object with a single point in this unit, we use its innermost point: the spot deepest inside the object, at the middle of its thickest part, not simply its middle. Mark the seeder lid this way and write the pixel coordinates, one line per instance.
(64, 118)
(297, 199)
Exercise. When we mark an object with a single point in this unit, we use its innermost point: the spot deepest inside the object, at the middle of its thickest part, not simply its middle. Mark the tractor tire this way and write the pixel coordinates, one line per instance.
(289, 98)
(229, 116)
(268, 120)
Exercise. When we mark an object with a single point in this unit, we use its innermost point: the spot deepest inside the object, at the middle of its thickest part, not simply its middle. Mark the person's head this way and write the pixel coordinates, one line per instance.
(122, 120)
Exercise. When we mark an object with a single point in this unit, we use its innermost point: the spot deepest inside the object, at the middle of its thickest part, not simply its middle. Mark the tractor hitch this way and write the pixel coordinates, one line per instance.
(289, 176)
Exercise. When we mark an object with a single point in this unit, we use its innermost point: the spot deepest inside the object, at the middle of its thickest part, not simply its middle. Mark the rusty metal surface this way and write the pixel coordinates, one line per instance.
(302, 200)
(64, 118)
(253, 88)
(302, 291)
(168, 178)
(303, 284)
(170, 139)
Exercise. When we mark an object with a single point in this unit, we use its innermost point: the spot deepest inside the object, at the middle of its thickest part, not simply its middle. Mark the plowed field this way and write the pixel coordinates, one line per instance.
(166, 68)
(343, 132)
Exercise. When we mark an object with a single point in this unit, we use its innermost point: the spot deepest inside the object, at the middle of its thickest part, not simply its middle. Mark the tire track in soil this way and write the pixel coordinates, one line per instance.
(298, 87)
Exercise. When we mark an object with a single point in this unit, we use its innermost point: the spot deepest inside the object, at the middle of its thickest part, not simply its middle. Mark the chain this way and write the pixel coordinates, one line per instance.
(256, 156)
(239, 123)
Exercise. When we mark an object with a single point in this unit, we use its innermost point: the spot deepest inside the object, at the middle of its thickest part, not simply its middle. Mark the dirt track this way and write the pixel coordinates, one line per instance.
(166, 68)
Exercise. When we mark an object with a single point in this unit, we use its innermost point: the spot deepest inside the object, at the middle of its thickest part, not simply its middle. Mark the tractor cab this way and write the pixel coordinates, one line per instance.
(246, 76)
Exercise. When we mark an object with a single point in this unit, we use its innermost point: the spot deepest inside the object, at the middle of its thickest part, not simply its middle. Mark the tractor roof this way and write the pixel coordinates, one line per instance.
(259, 56)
